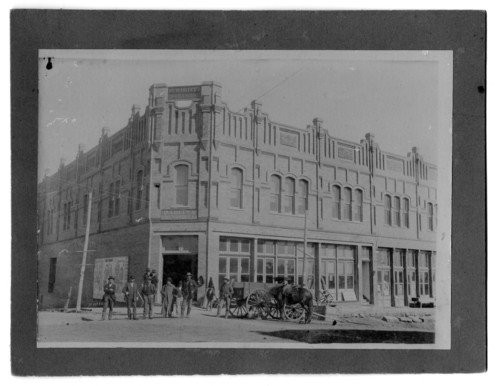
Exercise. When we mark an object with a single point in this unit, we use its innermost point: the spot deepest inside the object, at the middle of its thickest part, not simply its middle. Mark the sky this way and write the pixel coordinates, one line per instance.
(393, 95)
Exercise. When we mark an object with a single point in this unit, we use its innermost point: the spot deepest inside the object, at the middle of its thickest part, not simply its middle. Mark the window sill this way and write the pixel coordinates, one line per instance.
(345, 221)
(288, 214)
(236, 208)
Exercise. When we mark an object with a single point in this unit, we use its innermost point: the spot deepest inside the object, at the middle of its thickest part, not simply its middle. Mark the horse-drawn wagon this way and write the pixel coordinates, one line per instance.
(263, 300)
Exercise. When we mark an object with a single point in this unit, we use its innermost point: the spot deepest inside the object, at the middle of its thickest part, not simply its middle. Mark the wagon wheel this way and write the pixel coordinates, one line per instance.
(238, 308)
(258, 302)
(274, 311)
(294, 312)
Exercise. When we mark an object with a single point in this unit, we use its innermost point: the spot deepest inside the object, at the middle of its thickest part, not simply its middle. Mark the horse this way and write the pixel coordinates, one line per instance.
(292, 294)
(210, 297)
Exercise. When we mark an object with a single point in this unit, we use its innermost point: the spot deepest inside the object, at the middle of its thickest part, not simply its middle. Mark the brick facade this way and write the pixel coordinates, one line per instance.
(226, 192)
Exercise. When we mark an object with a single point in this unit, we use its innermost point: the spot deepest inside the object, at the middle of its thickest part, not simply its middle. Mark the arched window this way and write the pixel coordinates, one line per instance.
(236, 188)
(430, 216)
(157, 127)
(275, 182)
(117, 197)
(358, 205)
(406, 212)
(138, 195)
(289, 196)
(181, 185)
(302, 193)
(388, 207)
(336, 202)
(397, 211)
(111, 199)
(347, 213)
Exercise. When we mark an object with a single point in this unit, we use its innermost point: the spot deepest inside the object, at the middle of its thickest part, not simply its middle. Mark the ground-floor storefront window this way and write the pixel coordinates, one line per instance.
(265, 270)
(234, 259)
(236, 268)
(423, 273)
(286, 269)
(398, 261)
(309, 267)
(383, 287)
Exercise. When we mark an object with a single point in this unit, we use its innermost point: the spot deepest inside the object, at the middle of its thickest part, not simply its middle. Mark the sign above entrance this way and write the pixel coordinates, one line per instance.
(180, 244)
(184, 93)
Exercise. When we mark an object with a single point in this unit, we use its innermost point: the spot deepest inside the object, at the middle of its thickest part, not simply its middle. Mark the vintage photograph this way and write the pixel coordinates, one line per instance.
(244, 199)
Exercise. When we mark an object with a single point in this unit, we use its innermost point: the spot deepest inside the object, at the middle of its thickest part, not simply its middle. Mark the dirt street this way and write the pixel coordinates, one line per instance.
(352, 326)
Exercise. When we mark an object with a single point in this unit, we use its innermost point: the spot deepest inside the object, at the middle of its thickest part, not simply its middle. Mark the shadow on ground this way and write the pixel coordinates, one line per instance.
(353, 336)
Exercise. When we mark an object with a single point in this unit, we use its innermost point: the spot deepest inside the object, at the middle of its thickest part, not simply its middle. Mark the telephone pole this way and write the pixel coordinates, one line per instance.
(84, 258)
(304, 283)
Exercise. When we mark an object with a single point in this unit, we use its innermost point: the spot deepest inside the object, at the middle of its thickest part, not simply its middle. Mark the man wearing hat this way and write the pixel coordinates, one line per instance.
(147, 274)
(109, 297)
(131, 293)
(148, 291)
(167, 293)
(189, 287)
(225, 295)
(154, 277)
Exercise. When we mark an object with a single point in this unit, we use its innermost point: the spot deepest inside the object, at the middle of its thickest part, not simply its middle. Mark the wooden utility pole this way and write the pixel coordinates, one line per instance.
(304, 283)
(84, 258)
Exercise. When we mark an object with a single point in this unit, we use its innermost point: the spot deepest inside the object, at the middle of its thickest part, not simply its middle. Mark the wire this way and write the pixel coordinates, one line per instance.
(130, 197)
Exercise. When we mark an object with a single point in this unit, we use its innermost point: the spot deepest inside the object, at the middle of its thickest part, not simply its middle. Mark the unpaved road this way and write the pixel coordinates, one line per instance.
(204, 326)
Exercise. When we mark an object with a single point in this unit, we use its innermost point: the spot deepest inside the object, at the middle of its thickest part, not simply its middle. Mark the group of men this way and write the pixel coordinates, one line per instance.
(172, 297)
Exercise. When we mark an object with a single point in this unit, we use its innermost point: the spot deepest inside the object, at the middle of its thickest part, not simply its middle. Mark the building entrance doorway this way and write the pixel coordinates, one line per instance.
(365, 280)
(176, 267)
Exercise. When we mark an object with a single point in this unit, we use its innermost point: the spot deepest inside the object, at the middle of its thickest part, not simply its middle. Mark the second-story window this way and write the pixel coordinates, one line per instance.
(275, 183)
(181, 185)
(302, 194)
(157, 127)
(236, 188)
(336, 202)
(430, 216)
(85, 208)
(111, 201)
(388, 208)
(117, 198)
(358, 205)
(397, 211)
(347, 212)
(139, 187)
(406, 212)
(289, 196)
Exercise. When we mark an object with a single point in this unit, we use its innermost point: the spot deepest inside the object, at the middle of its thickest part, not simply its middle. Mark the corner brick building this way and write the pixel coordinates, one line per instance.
(190, 185)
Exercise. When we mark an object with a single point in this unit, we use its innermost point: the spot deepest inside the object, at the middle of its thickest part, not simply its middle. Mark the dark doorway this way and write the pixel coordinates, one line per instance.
(52, 274)
(176, 267)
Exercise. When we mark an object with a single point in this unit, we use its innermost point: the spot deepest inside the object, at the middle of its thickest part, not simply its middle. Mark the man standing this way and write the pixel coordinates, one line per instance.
(189, 286)
(147, 274)
(148, 291)
(167, 293)
(154, 277)
(109, 298)
(131, 293)
(225, 295)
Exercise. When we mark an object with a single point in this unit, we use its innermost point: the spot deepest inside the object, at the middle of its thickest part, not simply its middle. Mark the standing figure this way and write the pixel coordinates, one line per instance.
(167, 293)
(131, 293)
(154, 278)
(109, 297)
(148, 291)
(189, 286)
(225, 295)
(177, 298)
(147, 274)
(210, 295)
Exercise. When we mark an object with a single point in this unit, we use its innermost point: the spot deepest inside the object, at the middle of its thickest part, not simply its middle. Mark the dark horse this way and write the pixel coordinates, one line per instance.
(287, 294)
